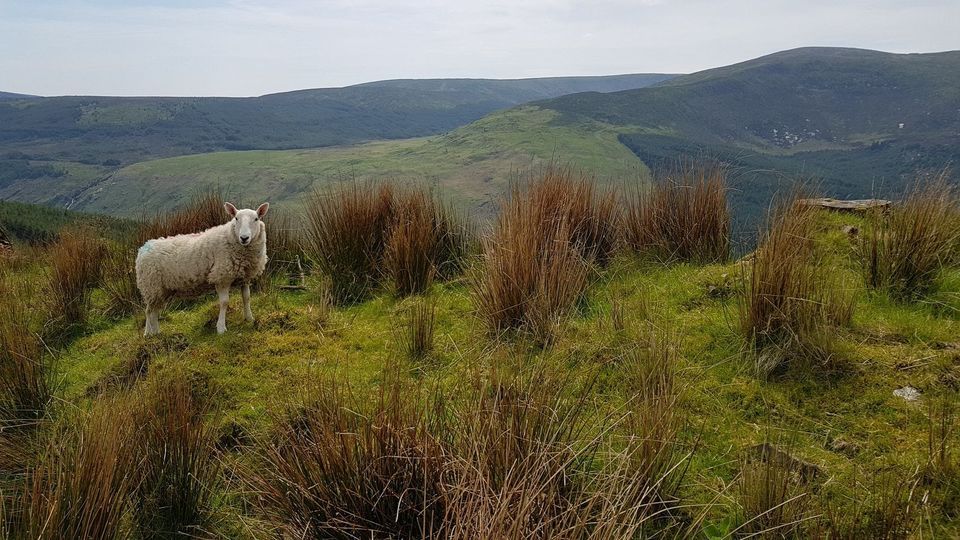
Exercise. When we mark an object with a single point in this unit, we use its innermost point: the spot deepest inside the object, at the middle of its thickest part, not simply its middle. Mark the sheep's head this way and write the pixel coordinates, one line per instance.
(246, 224)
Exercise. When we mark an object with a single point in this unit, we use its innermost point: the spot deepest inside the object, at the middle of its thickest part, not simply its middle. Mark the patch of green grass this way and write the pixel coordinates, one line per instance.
(250, 363)
(126, 114)
(58, 185)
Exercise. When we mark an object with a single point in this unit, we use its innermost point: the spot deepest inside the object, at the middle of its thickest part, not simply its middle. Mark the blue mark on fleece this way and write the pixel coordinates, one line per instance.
(145, 248)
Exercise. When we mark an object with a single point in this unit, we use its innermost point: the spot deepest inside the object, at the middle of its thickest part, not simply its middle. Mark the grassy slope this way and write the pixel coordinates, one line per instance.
(858, 123)
(30, 223)
(84, 138)
(132, 129)
(888, 346)
(472, 164)
(71, 179)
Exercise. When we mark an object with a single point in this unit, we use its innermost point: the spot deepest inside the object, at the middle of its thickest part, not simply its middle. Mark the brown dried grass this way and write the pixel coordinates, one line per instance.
(537, 261)
(684, 216)
(906, 246)
(790, 307)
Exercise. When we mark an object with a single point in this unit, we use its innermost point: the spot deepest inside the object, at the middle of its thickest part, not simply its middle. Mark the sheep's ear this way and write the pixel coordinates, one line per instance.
(262, 209)
(231, 209)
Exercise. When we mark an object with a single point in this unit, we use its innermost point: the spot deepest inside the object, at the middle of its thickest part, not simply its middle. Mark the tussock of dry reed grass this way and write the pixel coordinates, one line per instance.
(204, 211)
(906, 246)
(516, 458)
(415, 335)
(790, 306)
(75, 269)
(426, 240)
(537, 262)
(684, 216)
(178, 475)
(80, 484)
(25, 384)
(361, 235)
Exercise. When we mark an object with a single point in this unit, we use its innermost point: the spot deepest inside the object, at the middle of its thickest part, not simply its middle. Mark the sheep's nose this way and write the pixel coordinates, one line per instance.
(244, 239)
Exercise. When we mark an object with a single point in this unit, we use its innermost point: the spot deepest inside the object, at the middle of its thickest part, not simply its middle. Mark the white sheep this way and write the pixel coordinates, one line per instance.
(188, 264)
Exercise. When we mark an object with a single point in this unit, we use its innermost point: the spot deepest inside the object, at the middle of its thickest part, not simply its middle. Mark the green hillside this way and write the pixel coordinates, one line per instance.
(857, 122)
(12, 95)
(33, 224)
(473, 164)
(523, 88)
(53, 149)
(794, 101)
(103, 129)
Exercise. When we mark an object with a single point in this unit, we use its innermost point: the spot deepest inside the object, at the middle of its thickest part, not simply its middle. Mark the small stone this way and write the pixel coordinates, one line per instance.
(908, 393)
(851, 230)
(843, 446)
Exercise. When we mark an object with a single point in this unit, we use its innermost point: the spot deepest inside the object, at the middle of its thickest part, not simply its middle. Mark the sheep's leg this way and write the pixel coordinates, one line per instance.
(223, 291)
(247, 313)
(152, 326)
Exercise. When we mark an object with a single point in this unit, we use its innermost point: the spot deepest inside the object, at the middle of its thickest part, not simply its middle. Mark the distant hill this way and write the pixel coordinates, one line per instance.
(120, 130)
(53, 149)
(11, 95)
(803, 99)
(856, 122)
(521, 89)
(471, 165)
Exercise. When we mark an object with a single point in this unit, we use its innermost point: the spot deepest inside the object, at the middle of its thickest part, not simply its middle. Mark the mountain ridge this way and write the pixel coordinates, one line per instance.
(811, 78)
(626, 80)
(129, 129)
(14, 95)
(856, 122)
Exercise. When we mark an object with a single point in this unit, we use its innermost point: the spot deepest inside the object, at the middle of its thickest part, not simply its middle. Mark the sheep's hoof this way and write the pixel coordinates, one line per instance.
(221, 329)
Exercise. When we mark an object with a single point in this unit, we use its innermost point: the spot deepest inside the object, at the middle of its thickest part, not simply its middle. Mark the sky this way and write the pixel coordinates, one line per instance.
(254, 47)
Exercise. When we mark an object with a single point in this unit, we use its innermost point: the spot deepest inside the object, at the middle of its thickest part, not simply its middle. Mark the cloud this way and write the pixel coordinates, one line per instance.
(250, 47)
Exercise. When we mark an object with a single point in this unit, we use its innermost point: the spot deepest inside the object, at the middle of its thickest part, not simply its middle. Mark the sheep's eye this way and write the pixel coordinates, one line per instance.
(256, 219)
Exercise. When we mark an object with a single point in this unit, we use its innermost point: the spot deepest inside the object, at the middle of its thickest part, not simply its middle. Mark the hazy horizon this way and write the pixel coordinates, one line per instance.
(253, 47)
